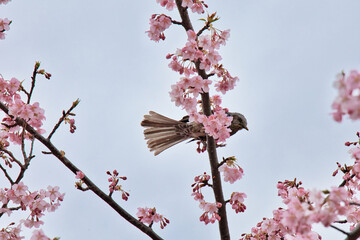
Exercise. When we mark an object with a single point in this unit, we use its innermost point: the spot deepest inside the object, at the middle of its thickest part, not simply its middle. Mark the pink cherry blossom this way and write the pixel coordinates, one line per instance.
(149, 216)
(79, 175)
(237, 201)
(197, 7)
(187, 3)
(348, 100)
(53, 193)
(158, 24)
(216, 125)
(39, 235)
(210, 214)
(231, 171)
(4, 1)
(216, 99)
(169, 4)
(205, 42)
(4, 24)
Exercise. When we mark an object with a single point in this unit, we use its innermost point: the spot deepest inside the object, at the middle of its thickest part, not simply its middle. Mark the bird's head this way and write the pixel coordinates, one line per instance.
(239, 122)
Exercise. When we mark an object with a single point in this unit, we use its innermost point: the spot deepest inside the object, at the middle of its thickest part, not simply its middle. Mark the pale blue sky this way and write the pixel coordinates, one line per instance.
(286, 54)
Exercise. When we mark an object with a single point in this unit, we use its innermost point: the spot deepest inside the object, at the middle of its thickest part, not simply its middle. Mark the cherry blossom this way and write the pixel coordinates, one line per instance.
(210, 214)
(37, 202)
(4, 1)
(169, 4)
(79, 175)
(237, 201)
(115, 186)
(4, 24)
(149, 216)
(39, 235)
(215, 125)
(231, 171)
(348, 100)
(158, 24)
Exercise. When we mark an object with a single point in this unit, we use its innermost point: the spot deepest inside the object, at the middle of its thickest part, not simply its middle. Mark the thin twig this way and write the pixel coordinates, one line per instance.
(23, 143)
(33, 80)
(13, 159)
(176, 22)
(7, 175)
(15, 208)
(65, 115)
(222, 162)
(340, 230)
(31, 148)
(207, 25)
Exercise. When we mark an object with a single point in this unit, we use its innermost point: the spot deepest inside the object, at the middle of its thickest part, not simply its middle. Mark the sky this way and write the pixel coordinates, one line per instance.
(286, 54)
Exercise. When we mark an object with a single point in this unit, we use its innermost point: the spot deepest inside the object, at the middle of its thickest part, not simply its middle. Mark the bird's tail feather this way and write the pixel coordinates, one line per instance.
(162, 132)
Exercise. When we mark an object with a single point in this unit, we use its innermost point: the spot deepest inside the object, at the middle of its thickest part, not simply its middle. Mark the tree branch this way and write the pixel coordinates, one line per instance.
(211, 144)
(59, 155)
(354, 234)
(68, 112)
(7, 175)
(33, 80)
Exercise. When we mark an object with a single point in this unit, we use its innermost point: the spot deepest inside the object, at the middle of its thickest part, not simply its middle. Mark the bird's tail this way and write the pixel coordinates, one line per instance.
(162, 132)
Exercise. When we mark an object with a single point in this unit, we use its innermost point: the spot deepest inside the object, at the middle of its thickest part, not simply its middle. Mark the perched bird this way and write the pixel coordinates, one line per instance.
(163, 132)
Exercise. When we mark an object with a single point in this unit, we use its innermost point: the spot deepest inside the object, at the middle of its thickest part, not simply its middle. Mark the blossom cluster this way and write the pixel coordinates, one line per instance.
(115, 186)
(237, 201)
(37, 203)
(210, 214)
(348, 99)
(149, 216)
(31, 113)
(158, 24)
(203, 49)
(187, 90)
(305, 208)
(71, 122)
(195, 5)
(200, 53)
(4, 26)
(231, 170)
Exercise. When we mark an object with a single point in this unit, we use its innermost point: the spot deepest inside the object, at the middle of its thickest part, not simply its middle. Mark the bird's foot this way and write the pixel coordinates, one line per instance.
(199, 148)
(220, 145)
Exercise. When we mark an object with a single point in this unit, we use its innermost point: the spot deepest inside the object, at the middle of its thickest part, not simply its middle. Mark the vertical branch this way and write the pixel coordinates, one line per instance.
(211, 145)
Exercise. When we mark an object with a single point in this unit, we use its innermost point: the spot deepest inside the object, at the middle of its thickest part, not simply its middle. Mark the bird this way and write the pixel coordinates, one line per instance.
(162, 132)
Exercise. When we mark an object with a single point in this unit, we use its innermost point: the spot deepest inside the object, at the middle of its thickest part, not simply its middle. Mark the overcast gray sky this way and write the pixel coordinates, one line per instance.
(286, 54)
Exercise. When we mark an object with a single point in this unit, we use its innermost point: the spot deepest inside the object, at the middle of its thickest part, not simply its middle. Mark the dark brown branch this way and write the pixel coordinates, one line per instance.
(207, 25)
(65, 115)
(7, 175)
(354, 234)
(15, 208)
(222, 162)
(211, 144)
(33, 80)
(340, 230)
(59, 155)
(23, 144)
(176, 22)
(13, 159)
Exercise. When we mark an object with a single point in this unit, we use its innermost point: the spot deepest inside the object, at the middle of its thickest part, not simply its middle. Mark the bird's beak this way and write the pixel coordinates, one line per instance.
(246, 128)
